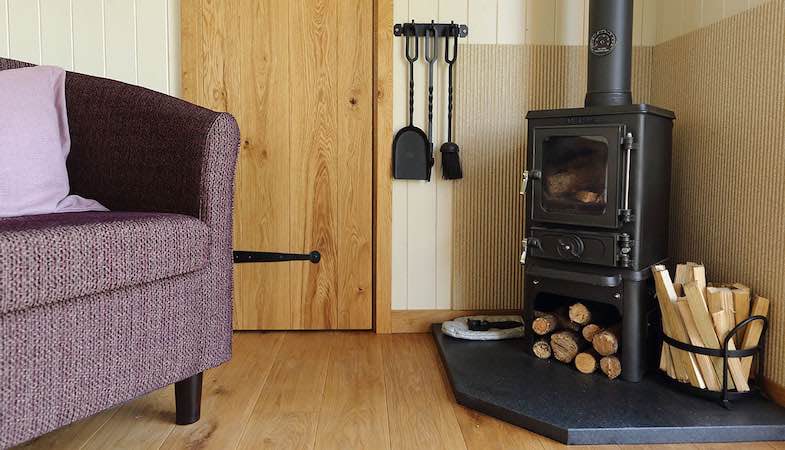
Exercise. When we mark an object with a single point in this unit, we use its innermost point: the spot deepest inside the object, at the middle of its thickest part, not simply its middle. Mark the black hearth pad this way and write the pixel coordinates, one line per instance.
(502, 380)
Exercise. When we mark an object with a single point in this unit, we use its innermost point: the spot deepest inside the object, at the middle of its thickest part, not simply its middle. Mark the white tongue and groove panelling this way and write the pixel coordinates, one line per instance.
(134, 41)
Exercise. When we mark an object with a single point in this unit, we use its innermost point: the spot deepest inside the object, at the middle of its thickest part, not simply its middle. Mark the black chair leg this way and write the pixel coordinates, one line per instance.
(188, 399)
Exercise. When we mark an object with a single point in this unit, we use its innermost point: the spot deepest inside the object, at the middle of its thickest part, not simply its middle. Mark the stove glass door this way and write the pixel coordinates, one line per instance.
(579, 175)
(575, 174)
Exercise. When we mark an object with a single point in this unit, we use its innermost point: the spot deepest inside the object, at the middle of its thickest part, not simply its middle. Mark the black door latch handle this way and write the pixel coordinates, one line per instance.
(265, 257)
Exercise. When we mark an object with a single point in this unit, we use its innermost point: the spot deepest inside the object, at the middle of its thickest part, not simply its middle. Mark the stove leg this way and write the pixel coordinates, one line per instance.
(529, 297)
(634, 330)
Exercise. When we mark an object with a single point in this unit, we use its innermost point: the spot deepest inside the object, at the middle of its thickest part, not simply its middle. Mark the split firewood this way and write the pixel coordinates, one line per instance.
(565, 345)
(587, 362)
(705, 327)
(666, 361)
(610, 366)
(741, 305)
(675, 362)
(606, 342)
(542, 349)
(760, 307)
(685, 362)
(741, 302)
(687, 272)
(705, 363)
(698, 275)
(590, 330)
(580, 314)
(720, 299)
(722, 327)
(682, 276)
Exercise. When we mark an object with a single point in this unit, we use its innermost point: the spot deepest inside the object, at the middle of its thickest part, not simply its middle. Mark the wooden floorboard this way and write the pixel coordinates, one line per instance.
(73, 436)
(483, 432)
(321, 390)
(229, 394)
(287, 411)
(420, 408)
(354, 410)
(141, 423)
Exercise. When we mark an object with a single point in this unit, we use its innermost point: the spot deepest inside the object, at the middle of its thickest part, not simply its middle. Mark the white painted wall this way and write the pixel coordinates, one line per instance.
(135, 41)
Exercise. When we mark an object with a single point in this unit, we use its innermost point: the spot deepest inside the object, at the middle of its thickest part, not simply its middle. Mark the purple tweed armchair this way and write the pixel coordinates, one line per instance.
(99, 308)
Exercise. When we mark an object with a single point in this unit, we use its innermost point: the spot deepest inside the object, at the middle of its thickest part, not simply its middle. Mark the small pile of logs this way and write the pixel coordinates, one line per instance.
(576, 336)
(700, 314)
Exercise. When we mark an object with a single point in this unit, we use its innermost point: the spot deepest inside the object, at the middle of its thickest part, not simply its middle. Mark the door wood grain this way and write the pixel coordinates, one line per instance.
(302, 93)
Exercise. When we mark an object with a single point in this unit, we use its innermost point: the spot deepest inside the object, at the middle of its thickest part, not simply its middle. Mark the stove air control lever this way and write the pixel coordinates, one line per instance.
(524, 249)
(525, 244)
(528, 175)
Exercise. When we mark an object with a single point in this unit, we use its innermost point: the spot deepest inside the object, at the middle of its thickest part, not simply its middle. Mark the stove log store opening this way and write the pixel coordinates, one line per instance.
(597, 187)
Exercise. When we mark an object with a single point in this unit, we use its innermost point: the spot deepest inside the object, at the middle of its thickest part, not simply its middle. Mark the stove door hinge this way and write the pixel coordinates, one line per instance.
(628, 142)
(625, 244)
(626, 215)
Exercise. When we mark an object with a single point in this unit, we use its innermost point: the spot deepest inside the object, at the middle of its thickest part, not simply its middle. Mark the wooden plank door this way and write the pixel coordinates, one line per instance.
(298, 76)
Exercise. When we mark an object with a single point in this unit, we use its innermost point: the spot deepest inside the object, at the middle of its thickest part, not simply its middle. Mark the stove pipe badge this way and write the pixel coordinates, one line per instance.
(602, 42)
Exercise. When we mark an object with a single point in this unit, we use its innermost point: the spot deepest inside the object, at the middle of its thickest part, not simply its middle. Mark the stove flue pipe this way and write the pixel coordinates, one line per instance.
(610, 53)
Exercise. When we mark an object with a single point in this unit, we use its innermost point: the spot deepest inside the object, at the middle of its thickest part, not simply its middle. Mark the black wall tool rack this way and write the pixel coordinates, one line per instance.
(419, 29)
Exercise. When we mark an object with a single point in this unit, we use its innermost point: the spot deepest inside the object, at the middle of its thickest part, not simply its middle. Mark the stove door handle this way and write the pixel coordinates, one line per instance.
(528, 175)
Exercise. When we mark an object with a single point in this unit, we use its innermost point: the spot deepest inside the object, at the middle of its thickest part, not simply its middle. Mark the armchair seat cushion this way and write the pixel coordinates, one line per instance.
(54, 257)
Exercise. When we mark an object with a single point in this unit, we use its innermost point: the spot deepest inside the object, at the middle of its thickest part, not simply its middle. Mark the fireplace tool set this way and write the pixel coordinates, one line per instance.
(413, 149)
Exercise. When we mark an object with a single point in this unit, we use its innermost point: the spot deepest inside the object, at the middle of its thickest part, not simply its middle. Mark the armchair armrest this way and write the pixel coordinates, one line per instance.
(134, 149)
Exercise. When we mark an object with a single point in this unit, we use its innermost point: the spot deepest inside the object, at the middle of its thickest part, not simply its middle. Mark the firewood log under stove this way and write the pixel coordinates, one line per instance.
(597, 186)
(590, 348)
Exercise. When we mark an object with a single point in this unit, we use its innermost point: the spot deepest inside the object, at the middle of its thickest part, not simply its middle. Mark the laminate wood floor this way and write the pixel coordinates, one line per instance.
(317, 390)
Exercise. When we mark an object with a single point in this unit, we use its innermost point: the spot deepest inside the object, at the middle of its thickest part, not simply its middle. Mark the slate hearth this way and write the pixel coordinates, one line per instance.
(502, 380)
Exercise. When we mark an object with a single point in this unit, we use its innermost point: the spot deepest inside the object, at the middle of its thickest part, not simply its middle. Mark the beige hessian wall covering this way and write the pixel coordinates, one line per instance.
(491, 129)
(726, 83)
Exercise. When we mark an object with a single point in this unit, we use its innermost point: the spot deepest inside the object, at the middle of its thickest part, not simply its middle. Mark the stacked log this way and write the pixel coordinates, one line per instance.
(587, 362)
(566, 345)
(578, 335)
(542, 349)
(606, 342)
(702, 314)
(610, 366)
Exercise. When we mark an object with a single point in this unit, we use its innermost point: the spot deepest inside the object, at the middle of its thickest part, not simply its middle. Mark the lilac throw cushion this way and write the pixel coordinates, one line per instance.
(34, 144)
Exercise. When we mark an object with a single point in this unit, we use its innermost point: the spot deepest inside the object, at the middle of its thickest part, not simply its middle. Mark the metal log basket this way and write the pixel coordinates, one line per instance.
(724, 396)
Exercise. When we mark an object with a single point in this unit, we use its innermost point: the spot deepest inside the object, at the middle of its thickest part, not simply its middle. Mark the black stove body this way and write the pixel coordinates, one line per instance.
(597, 187)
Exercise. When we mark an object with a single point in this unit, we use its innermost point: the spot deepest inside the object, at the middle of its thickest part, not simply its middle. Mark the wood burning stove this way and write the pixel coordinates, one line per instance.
(597, 186)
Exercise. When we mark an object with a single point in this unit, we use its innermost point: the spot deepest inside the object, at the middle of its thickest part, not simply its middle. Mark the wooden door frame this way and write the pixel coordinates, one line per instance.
(382, 155)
